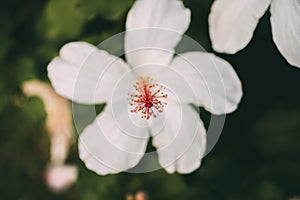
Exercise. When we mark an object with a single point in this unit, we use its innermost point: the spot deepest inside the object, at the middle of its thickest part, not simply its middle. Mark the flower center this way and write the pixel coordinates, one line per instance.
(147, 98)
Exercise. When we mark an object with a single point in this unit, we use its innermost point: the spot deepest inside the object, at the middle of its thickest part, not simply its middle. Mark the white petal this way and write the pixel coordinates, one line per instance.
(214, 82)
(181, 143)
(84, 73)
(232, 23)
(153, 30)
(109, 145)
(285, 21)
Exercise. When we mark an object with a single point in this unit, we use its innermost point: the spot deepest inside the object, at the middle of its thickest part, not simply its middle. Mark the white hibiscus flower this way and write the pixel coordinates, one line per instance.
(150, 95)
(232, 23)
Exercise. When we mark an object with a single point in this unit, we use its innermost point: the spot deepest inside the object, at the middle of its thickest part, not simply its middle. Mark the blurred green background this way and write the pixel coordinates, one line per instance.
(257, 156)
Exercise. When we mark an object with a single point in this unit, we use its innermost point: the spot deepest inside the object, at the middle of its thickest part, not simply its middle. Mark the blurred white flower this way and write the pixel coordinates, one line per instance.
(140, 195)
(60, 177)
(232, 23)
(150, 95)
(129, 197)
(59, 118)
(60, 129)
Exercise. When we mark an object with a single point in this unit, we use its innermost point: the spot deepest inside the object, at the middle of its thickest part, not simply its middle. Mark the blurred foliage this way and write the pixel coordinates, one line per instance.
(111, 11)
(62, 19)
(257, 156)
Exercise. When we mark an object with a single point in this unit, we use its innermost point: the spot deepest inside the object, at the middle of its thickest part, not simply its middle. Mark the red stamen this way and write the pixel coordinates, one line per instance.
(147, 98)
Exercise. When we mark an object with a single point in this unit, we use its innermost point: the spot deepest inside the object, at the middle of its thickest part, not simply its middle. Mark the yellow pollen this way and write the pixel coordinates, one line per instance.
(147, 98)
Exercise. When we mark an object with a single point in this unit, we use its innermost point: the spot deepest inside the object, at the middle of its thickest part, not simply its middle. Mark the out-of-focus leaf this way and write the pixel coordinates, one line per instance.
(111, 10)
(25, 71)
(277, 133)
(62, 19)
(266, 191)
(5, 39)
(3, 96)
(34, 109)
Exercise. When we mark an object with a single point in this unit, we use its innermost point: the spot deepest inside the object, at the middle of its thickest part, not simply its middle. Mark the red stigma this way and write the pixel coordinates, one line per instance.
(147, 98)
